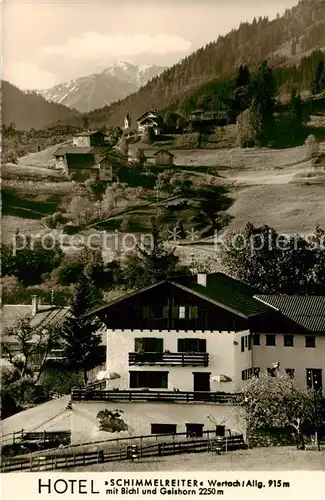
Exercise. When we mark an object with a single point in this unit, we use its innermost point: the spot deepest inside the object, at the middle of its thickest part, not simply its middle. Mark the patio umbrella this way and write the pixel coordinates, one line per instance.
(106, 375)
(221, 378)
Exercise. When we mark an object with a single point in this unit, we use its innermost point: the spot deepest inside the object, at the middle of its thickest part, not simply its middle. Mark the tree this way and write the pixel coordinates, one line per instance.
(312, 147)
(148, 135)
(245, 129)
(28, 259)
(140, 157)
(318, 78)
(273, 263)
(85, 122)
(32, 343)
(80, 333)
(264, 92)
(296, 112)
(275, 403)
(151, 263)
(243, 77)
(82, 209)
(123, 145)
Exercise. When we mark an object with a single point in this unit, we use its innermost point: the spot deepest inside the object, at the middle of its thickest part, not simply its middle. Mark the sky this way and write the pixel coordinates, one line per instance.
(46, 42)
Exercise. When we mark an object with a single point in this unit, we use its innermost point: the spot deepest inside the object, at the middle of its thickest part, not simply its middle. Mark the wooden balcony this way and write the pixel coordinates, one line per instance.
(169, 358)
(152, 396)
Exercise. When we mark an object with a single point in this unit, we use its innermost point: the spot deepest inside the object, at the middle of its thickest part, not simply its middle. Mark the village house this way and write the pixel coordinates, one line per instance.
(89, 157)
(84, 162)
(89, 139)
(41, 317)
(163, 157)
(149, 119)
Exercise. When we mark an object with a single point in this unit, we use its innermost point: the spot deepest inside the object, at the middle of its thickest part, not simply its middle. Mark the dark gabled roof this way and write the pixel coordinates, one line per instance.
(220, 290)
(75, 150)
(226, 292)
(305, 310)
(68, 150)
(147, 113)
(163, 151)
(10, 313)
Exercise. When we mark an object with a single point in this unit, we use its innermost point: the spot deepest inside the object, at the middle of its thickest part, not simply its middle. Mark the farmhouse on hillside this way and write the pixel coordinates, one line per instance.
(88, 157)
(164, 157)
(89, 139)
(150, 119)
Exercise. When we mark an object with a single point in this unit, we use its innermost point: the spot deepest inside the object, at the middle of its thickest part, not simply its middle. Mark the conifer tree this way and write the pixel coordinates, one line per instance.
(151, 263)
(80, 333)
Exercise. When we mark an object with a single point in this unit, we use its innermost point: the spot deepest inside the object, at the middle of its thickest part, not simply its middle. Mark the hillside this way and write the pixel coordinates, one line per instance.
(30, 110)
(95, 91)
(284, 41)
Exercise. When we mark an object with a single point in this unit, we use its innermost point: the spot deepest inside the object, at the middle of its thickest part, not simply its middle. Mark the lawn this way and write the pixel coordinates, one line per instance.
(258, 459)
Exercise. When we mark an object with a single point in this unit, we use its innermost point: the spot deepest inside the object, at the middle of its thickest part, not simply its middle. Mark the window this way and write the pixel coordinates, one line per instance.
(271, 372)
(163, 428)
(249, 342)
(257, 339)
(270, 340)
(192, 345)
(185, 312)
(310, 341)
(150, 379)
(154, 312)
(290, 372)
(247, 374)
(256, 372)
(242, 344)
(148, 344)
(194, 430)
(288, 341)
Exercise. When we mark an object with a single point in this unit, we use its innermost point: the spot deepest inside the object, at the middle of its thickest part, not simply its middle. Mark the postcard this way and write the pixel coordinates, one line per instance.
(163, 249)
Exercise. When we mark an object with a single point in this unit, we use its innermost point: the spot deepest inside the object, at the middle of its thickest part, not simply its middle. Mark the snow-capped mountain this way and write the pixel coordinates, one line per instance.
(95, 91)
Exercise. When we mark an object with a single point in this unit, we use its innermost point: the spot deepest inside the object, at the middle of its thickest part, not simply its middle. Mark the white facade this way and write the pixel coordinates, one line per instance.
(299, 357)
(81, 141)
(224, 349)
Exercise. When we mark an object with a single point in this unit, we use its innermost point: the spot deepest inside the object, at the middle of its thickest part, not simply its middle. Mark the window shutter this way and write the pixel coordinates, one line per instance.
(159, 345)
(138, 344)
(194, 312)
(165, 313)
(146, 311)
(202, 345)
(175, 312)
(181, 345)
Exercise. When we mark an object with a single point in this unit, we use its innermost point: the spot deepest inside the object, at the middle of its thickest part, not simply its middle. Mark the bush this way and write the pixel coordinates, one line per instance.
(312, 147)
(111, 421)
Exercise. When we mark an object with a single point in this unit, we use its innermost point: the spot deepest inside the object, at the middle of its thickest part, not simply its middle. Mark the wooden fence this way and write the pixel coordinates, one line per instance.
(151, 396)
(68, 461)
(38, 436)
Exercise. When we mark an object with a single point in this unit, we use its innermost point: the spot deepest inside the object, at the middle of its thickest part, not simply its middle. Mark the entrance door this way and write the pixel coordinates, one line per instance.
(201, 386)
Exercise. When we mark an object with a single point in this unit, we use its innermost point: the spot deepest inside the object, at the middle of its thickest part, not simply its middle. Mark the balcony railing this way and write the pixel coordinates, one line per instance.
(169, 358)
(152, 396)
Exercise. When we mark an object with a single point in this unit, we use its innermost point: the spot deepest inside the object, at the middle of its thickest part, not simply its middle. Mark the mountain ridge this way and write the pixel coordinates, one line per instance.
(97, 90)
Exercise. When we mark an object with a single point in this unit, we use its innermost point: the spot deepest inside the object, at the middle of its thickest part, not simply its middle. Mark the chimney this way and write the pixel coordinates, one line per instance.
(34, 305)
(202, 279)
